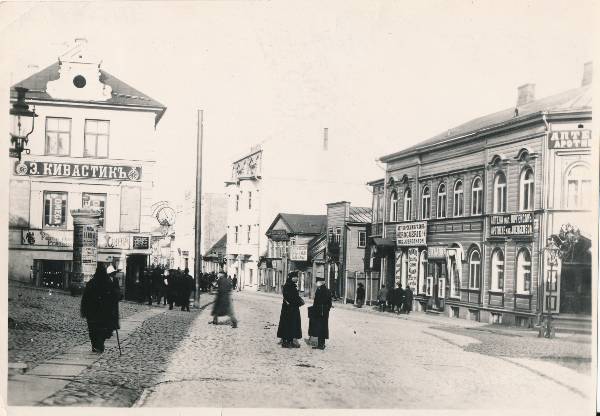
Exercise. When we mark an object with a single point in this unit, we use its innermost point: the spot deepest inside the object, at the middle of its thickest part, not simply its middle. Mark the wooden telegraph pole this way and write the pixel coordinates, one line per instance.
(198, 210)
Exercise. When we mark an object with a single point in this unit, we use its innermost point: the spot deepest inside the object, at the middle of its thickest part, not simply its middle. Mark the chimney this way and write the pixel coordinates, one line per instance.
(526, 94)
(80, 41)
(325, 139)
(588, 70)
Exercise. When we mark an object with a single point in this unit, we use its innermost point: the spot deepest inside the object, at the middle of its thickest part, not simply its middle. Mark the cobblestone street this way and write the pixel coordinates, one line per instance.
(371, 361)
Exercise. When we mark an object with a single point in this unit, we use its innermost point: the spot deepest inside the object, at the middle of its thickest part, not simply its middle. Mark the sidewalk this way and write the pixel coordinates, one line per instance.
(54, 374)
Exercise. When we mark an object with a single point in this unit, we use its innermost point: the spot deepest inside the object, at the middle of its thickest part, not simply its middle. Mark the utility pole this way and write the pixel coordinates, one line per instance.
(198, 211)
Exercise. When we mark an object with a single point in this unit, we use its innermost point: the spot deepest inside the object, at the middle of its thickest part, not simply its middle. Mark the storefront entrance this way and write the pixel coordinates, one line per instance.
(576, 280)
(437, 277)
(51, 273)
(136, 264)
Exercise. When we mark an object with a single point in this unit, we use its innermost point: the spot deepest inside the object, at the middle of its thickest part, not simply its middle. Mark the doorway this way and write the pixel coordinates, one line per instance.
(136, 264)
(437, 276)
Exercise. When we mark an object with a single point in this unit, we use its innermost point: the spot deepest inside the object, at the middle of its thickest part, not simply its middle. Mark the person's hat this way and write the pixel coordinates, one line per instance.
(293, 274)
(110, 269)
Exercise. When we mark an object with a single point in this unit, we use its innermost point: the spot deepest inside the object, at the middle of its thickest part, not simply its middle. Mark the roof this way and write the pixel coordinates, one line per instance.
(571, 100)
(122, 94)
(302, 224)
(317, 239)
(219, 245)
(376, 182)
(360, 214)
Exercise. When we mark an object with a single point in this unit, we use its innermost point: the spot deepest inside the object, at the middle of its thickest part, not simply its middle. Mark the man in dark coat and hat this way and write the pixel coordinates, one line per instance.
(223, 305)
(319, 315)
(187, 287)
(290, 324)
(99, 303)
(408, 299)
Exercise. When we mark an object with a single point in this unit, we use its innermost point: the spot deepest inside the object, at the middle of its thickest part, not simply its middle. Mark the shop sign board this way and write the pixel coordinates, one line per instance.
(64, 238)
(278, 235)
(413, 268)
(113, 240)
(79, 170)
(436, 252)
(511, 224)
(411, 234)
(141, 242)
(54, 238)
(299, 253)
(570, 139)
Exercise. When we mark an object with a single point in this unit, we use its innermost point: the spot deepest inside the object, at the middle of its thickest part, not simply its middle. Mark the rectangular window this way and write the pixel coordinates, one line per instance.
(330, 235)
(249, 233)
(338, 234)
(97, 202)
(235, 236)
(249, 200)
(58, 136)
(362, 239)
(55, 210)
(237, 202)
(96, 138)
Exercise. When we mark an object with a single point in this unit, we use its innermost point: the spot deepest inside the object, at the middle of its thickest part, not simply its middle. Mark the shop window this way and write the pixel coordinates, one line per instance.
(523, 271)
(477, 197)
(55, 209)
(459, 200)
(58, 136)
(362, 239)
(454, 279)
(96, 138)
(393, 207)
(498, 270)
(579, 187)
(96, 202)
(426, 203)
(407, 204)
(499, 193)
(526, 196)
(441, 201)
(475, 270)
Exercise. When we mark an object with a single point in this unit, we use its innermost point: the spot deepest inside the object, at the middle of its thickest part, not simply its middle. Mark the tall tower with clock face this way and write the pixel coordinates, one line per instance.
(79, 77)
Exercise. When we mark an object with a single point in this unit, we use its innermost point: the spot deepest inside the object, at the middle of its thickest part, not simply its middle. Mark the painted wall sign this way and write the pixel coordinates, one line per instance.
(141, 242)
(299, 253)
(79, 170)
(113, 240)
(570, 139)
(413, 268)
(54, 238)
(278, 235)
(511, 224)
(411, 234)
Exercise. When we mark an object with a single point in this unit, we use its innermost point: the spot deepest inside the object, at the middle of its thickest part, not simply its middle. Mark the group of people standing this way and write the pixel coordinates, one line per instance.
(171, 286)
(290, 323)
(396, 300)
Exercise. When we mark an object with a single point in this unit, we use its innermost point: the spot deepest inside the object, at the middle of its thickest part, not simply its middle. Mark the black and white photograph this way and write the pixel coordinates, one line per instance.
(300, 207)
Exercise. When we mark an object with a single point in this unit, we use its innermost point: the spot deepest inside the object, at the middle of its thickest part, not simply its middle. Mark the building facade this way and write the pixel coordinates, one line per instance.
(92, 146)
(214, 259)
(288, 242)
(465, 217)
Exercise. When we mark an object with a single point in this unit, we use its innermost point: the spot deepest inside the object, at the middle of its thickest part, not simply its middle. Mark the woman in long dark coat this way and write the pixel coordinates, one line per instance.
(319, 316)
(98, 303)
(223, 305)
(290, 325)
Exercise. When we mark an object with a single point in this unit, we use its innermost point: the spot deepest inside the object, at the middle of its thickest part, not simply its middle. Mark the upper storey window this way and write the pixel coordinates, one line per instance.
(58, 136)
(499, 193)
(96, 138)
(526, 197)
(579, 187)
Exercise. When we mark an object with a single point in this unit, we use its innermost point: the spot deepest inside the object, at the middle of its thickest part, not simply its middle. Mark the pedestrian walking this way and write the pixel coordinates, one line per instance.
(98, 303)
(147, 283)
(318, 325)
(408, 299)
(398, 298)
(187, 287)
(156, 283)
(235, 282)
(290, 324)
(390, 298)
(360, 295)
(223, 305)
(382, 297)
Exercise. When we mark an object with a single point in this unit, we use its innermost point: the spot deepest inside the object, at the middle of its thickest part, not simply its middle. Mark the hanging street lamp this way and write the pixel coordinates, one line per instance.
(22, 121)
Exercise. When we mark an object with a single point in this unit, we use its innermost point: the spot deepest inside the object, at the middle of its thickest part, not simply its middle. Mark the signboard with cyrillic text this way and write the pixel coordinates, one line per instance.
(411, 234)
(298, 253)
(570, 139)
(502, 225)
(79, 170)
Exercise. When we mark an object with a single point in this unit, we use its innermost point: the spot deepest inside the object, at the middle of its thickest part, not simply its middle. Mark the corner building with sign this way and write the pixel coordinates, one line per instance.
(92, 146)
(465, 217)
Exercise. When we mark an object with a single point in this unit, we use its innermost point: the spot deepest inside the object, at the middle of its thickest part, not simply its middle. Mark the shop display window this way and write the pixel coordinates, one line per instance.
(55, 209)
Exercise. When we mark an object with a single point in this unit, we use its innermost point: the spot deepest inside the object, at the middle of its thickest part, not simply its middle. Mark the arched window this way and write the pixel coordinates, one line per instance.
(477, 197)
(499, 193)
(579, 187)
(498, 270)
(422, 271)
(441, 201)
(393, 206)
(407, 204)
(523, 271)
(527, 195)
(475, 270)
(459, 199)
(426, 203)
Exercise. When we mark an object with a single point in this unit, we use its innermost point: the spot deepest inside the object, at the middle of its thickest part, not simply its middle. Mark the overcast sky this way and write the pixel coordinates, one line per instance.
(380, 75)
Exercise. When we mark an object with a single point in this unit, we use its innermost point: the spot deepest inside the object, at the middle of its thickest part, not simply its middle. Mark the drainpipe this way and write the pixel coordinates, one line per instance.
(543, 225)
